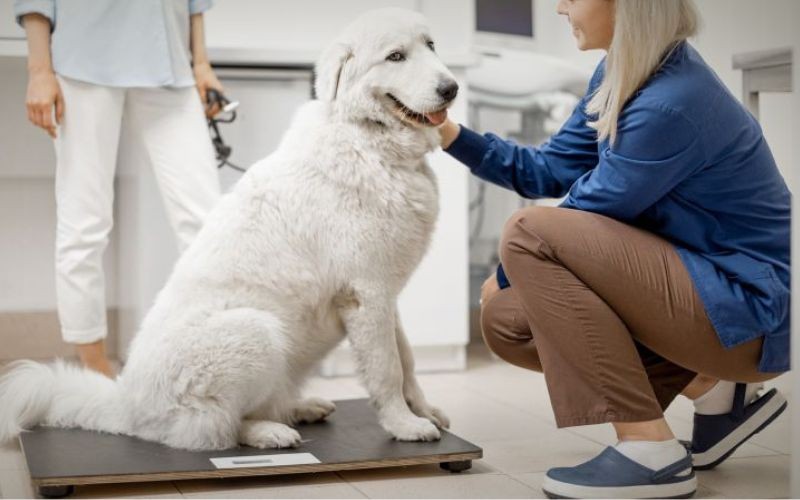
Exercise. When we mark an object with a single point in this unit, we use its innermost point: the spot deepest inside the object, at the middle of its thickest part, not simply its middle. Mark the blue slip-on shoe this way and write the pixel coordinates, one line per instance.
(716, 437)
(613, 475)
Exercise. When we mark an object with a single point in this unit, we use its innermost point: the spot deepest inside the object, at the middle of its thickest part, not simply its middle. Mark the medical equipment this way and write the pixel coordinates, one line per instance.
(504, 23)
(524, 96)
(223, 151)
(351, 438)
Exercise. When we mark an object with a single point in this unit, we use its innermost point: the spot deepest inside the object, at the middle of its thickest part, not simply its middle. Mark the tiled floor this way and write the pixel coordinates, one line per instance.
(501, 408)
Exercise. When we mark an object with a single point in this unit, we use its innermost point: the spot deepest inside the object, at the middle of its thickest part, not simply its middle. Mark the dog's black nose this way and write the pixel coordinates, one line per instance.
(448, 90)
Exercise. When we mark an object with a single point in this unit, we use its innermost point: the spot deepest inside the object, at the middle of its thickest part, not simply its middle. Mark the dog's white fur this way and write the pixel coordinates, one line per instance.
(313, 245)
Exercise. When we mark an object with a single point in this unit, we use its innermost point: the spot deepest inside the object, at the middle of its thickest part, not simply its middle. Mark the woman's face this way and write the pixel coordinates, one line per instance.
(592, 22)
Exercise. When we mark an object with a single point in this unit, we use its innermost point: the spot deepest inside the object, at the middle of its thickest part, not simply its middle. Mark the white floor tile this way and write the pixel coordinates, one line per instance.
(760, 477)
(534, 481)
(452, 486)
(489, 420)
(15, 484)
(775, 436)
(414, 472)
(11, 457)
(553, 448)
(164, 489)
(313, 485)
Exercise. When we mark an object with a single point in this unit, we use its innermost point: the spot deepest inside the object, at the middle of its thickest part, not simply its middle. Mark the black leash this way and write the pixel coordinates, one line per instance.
(227, 115)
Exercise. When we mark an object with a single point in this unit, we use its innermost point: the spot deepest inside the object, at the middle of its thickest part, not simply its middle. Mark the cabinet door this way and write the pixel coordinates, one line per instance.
(267, 101)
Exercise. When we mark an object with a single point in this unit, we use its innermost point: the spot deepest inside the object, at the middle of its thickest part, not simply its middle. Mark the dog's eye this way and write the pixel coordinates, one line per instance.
(431, 45)
(396, 56)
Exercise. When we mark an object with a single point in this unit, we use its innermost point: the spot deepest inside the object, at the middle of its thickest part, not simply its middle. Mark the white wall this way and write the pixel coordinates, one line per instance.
(307, 25)
(734, 26)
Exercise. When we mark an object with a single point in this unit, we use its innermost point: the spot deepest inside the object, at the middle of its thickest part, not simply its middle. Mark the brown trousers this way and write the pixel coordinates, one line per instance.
(610, 315)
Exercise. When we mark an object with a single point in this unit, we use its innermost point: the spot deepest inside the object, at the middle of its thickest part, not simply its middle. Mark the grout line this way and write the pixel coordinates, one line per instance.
(526, 484)
(767, 448)
(175, 485)
(756, 443)
(505, 403)
(707, 488)
(355, 486)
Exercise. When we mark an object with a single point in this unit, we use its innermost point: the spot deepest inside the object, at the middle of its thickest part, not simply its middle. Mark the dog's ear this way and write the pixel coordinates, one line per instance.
(329, 69)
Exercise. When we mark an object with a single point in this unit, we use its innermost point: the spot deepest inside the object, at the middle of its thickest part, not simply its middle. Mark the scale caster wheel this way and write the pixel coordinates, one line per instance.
(456, 466)
(56, 491)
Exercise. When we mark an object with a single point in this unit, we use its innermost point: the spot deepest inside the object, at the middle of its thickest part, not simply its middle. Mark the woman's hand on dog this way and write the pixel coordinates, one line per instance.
(448, 132)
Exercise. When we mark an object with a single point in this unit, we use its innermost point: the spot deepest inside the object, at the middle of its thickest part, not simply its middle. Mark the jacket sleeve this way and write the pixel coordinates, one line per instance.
(533, 172)
(47, 8)
(656, 149)
(548, 170)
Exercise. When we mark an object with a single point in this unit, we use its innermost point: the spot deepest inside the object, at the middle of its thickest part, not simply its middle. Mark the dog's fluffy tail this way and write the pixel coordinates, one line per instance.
(58, 395)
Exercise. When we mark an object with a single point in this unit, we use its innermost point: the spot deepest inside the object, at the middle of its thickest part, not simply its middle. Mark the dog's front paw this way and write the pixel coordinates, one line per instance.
(266, 434)
(413, 428)
(421, 408)
(435, 415)
(312, 410)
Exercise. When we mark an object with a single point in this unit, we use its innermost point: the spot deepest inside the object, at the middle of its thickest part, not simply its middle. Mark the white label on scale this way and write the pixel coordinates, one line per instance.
(264, 460)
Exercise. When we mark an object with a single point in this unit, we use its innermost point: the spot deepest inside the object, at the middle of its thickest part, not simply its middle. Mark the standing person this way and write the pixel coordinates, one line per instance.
(665, 269)
(102, 72)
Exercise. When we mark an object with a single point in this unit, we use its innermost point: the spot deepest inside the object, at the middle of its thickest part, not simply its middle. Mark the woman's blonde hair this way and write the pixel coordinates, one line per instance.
(645, 32)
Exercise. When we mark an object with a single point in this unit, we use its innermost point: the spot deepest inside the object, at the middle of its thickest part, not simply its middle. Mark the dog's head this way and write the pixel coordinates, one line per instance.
(384, 68)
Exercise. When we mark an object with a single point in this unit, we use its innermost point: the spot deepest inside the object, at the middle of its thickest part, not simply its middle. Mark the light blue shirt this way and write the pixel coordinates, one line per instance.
(120, 43)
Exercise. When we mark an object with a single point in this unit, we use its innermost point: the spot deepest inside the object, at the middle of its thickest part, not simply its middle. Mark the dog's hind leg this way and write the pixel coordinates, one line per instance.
(231, 363)
(211, 428)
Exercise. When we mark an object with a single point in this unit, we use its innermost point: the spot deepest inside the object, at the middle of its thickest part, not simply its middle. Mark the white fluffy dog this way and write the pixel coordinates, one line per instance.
(313, 245)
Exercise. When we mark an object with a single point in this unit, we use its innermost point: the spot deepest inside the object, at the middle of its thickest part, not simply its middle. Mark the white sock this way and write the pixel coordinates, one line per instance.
(719, 399)
(654, 454)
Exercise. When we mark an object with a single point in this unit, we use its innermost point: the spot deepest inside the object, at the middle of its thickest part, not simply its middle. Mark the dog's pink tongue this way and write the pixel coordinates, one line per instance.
(438, 117)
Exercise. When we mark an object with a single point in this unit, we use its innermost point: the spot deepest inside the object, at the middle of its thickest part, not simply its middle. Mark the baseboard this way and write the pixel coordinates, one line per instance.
(427, 359)
(37, 335)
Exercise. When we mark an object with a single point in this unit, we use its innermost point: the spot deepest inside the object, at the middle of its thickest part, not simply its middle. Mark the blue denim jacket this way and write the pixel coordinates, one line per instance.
(691, 165)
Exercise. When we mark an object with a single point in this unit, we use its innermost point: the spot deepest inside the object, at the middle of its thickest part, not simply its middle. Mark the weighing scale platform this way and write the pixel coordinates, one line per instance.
(350, 438)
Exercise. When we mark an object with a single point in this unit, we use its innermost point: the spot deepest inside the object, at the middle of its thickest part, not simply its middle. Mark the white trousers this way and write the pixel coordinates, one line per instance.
(165, 124)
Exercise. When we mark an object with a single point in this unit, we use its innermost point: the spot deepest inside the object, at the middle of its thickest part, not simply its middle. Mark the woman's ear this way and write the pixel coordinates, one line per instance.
(329, 69)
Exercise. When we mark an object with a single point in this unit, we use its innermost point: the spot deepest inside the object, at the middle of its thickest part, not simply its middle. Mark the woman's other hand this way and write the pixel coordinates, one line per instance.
(205, 79)
(448, 132)
(489, 288)
(44, 94)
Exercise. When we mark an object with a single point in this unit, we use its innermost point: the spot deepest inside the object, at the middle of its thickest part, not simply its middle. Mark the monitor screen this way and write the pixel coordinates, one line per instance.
(506, 17)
